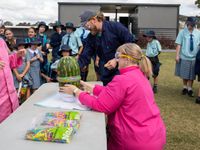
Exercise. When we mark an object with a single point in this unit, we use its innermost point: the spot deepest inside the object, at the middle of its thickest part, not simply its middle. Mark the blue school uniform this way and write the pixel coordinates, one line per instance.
(35, 69)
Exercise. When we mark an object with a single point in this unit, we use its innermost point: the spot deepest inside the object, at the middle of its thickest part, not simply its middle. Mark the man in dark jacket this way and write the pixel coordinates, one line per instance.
(56, 39)
(104, 38)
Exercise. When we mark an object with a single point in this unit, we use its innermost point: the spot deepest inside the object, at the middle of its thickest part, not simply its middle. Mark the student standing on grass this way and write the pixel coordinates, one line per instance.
(35, 63)
(8, 96)
(72, 40)
(134, 121)
(104, 38)
(152, 52)
(188, 41)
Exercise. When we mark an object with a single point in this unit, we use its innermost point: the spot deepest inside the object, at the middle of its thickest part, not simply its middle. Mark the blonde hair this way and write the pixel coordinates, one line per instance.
(139, 58)
(100, 16)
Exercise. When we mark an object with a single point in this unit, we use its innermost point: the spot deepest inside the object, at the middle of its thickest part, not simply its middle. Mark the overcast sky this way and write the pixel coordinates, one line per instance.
(47, 10)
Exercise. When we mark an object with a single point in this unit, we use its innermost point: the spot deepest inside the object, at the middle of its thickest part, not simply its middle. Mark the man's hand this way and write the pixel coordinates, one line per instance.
(111, 64)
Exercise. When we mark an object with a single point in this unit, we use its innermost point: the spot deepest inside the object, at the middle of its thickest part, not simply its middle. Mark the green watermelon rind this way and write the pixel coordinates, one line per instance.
(69, 79)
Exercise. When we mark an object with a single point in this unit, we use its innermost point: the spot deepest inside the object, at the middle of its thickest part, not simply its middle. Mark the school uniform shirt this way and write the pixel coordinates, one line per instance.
(82, 33)
(153, 48)
(74, 42)
(183, 39)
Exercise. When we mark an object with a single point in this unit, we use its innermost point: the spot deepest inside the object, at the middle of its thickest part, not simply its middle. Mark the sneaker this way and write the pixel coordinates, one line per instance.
(198, 100)
(184, 91)
(190, 93)
(155, 89)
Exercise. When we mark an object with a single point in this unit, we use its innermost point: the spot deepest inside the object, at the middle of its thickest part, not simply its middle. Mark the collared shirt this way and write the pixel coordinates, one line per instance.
(82, 32)
(153, 48)
(183, 39)
(74, 42)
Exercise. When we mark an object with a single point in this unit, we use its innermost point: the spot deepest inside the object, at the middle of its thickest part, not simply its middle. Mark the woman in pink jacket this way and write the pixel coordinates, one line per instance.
(8, 95)
(134, 121)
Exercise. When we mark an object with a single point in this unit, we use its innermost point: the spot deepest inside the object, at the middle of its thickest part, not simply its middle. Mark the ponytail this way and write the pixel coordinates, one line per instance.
(145, 66)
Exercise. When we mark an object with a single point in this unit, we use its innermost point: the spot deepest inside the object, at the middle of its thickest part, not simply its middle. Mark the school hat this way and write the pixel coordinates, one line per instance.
(42, 23)
(86, 16)
(20, 41)
(191, 21)
(70, 25)
(64, 48)
(35, 41)
(150, 33)
(58, 24)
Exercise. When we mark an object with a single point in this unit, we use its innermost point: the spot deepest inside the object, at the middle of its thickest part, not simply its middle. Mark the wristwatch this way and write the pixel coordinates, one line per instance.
(74, 91)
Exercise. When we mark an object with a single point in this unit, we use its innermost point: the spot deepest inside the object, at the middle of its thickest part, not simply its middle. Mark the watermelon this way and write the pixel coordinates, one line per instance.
(68, 71)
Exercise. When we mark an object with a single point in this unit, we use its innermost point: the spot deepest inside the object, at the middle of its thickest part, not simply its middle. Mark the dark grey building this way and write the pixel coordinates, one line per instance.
(162, 18)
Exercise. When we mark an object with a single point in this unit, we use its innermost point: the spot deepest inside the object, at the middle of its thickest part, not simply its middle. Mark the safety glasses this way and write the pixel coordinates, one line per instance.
(119, 55)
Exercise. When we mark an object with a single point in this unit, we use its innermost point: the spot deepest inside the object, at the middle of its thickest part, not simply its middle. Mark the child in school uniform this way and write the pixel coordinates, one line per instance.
(152, 52)
(31, 34)
(36, 60)
(72, 40)
(63, 52)
(42, 37)
(21, 74)
(187, 41)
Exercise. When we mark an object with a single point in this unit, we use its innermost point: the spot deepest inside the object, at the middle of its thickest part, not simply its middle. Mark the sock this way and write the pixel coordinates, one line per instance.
(189, 89)
(185, 87)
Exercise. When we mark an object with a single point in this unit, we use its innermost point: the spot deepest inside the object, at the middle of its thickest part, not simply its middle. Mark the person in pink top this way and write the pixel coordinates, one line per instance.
(8, 96)
(134, 121)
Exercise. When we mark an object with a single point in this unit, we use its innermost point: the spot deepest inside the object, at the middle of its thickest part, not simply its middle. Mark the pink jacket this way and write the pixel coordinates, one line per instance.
(8, 96)
(134, 121)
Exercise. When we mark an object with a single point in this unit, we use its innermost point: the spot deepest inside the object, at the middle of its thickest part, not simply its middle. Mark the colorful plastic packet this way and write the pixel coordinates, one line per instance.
(54, 134)
(67, 119)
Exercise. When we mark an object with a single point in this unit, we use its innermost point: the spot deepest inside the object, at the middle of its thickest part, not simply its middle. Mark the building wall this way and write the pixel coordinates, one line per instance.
(163, 20)
(157, 17)
(72, 12)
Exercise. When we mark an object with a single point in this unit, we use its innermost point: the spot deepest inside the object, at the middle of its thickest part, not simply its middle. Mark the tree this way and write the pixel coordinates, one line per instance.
(8, 23)
(197, 2)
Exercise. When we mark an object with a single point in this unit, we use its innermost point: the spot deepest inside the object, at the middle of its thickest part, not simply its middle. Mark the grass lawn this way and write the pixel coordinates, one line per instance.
(180, 113)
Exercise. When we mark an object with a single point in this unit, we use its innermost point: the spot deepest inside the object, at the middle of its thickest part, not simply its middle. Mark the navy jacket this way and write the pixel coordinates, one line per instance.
(55, 42)
(113, 35)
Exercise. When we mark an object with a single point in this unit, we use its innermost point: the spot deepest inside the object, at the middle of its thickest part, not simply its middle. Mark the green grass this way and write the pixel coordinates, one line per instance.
(180, 113)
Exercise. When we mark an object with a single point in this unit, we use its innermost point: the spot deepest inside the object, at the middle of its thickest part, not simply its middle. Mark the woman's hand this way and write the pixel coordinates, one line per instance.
(21, 53)
(111, 64)
(68, 89)
(87, 87)
(2, 64)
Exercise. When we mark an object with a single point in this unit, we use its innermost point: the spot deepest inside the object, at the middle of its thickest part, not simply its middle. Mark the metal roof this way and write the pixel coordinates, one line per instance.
(118, 3)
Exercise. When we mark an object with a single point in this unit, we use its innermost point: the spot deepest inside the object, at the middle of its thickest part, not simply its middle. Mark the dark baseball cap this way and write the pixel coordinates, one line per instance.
(86, 16)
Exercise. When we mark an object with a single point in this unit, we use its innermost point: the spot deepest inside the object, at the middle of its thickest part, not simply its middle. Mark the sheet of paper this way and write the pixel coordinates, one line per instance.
(60, 100)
